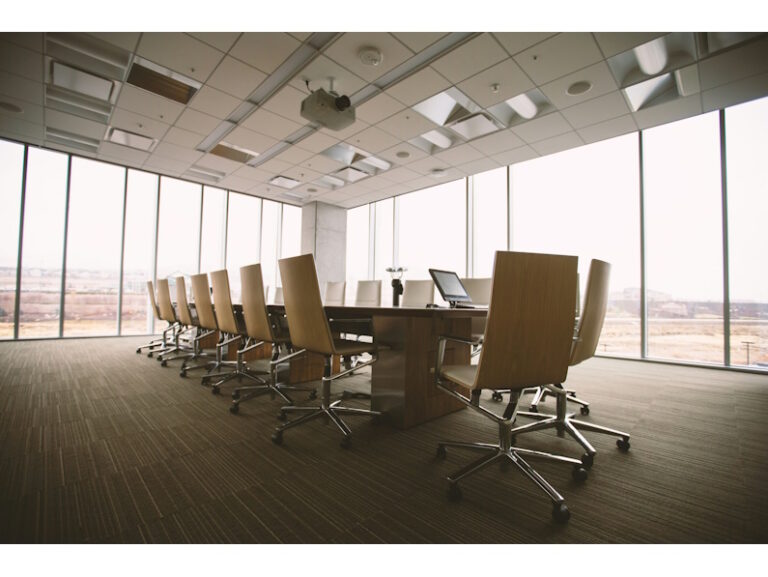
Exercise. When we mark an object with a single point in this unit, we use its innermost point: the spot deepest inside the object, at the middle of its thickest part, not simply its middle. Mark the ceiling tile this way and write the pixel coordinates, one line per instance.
(121, 154)
(214, 102)
(295, 155)
(221, 40)
(236, 78)
(133, 122)
(597, 110)
(478, 166)
(514, 42)
(264, 50)
(27, 131)
(274, 166)
(477, 54)
(608, 129)
(181, 137)
(558, 143)
(31, 40)
(458, 155)
(197, 121)
(406, 124)
(322, 163)
(542, 128)
(321, 70)
(735, 92)
(419, 86)
(255, 175)
(414, 154)
(346, 133)
(21, 88)
(509, 77)
(668, 112)
(236, 183)
(747, 60)
(74, 124)
(249, 139)
(21, 61)
(378, 108)
(373, 140)
(29, 112)
(125, 40)
(612, 43)
(497, 142)
(302, 36)
(426, 165)
(287, 103)
(317, 142)
(301, 174)
(215, 162)
(558, 56)
(166, 165)
(177, 152)
(599, 75)
(180, 52)
(148, 104)
(266, 122)
(418, 41)
(345, 50)
(520, 154)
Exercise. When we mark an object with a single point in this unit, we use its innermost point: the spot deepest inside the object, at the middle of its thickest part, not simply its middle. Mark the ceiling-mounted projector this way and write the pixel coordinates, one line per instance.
(328, 109)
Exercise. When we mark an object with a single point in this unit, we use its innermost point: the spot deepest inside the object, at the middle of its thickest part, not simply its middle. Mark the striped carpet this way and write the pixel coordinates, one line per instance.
(100, 445)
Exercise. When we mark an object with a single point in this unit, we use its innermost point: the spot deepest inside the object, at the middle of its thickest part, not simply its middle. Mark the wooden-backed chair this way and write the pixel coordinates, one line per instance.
(334, 293)
(368, 293)
(310, 331)
(418, 293)
(168, 314)
(188, 320)
(277, 298)
(261, 328)
(479, 290)
(162, 342)
(583, 347)
(527, 342)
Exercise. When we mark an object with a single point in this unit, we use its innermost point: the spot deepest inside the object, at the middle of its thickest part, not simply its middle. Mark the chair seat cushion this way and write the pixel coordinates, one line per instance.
(346, 347)
(463, 375)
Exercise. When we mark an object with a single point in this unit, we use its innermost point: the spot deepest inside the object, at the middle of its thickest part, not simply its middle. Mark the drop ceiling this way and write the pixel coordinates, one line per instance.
(512, 97)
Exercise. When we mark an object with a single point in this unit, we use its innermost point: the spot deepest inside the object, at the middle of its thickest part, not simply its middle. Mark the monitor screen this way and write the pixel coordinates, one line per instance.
(449, 285)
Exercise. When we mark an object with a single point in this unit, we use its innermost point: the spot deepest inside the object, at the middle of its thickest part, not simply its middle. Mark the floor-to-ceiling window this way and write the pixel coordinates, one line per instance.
(684, 242)
(489, 219)
(270, 229)
(358, 228)
(11, 174)
(585, 202)
(94, 239)
(747, 151)
(213, 229)
(139, 254)
(178, 237)
(243, 237)
(43, 243)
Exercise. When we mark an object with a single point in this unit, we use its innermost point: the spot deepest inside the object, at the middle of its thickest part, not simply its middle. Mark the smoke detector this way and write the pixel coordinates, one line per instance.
(370, 56)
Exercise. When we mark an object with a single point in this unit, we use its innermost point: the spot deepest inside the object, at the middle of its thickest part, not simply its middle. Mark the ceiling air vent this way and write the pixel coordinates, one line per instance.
(284, 182)
(162, 81)
(131, 139)
(232, 152)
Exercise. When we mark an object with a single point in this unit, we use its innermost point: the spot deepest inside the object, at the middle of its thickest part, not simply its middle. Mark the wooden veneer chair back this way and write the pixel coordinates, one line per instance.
(257, 323)
(222, 300)
(593, 313)
(164, 301)
(368, 293)
(418, 293)
(334, 293)
(479, 289)
(181, 302)
(153, 300)
(202, 296)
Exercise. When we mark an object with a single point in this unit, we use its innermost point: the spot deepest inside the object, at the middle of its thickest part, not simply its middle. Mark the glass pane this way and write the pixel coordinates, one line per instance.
(291, 240)
(139, 255)
(490, 219)
(43, 243)
(585, 202)
(358, 224)
(270, 218)
(94, 236)
(214, 226)
(684, 252)
(433, 230)
(178, 235)
(384, 239)
(243, 237)
(11, 167)
(747, 150)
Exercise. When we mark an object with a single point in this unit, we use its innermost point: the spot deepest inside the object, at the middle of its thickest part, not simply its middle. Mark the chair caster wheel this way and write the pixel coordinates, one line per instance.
(579, 474)
(587, 460)
(235, 395)
(163, 363)
(498, 397)
(149, 354)
(533, 409)
(282, 416)
(183, 374)
(584, 410)
(138, 351)
(440, 454)
(345, 443)
(277, 437)
(234, 409)
(454, 492)
(560, 512)
(313, 395)
(215, 390)
(623, 445)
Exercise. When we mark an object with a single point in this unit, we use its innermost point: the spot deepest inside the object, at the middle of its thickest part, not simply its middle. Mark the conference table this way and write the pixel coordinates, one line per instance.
(403, 380)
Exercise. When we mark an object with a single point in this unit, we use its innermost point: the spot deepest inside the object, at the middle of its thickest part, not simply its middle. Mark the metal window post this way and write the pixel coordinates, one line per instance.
(643, 299)
(17, 299)
(155, 243)
(122, 256)
(371, 240)
(726, 260)
(64, 251)
(469, 260)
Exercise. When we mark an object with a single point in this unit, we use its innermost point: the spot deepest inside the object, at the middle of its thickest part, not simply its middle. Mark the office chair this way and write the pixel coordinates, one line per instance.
(311, 332)
(231, 333)
(167, 313)
(154, 343)
(277, 298)
(261, 328)
(583, 347)
(368, 293)
(527, 342)
(187, 320)
(479, 290)
(418, 293)
(334, 293)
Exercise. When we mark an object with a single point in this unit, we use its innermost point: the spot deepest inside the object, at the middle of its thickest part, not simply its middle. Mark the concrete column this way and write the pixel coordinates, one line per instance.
(324, 234)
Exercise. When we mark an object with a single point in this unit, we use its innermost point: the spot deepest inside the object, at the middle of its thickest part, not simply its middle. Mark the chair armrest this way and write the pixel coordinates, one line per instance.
(441, 340)
(463, 340)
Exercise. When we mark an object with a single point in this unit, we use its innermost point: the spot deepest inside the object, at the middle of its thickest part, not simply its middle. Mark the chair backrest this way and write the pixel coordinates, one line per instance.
(529, 332)
(222, 301)
(201, 293)
(303, 306)
(152, 300)
(418, 293)
(479, 289)
(278, 296)
(368, 293)
(181, 302)
(164, 301)
(334, 293)
(257, 323)
(592, 313)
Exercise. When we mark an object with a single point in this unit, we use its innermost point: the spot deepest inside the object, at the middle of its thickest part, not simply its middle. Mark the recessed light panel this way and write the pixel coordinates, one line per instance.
(284, 182)
(81, 82)
(162, 81)
(131, 139)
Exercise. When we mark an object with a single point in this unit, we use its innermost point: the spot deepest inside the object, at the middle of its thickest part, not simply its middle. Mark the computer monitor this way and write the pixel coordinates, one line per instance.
(450, 287)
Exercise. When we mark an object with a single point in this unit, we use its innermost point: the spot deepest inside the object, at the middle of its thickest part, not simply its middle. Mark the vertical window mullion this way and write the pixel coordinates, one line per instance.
(371, 240)
(122, 256)
(157, 236)
(396, 232)
(64, 251)
(17, 300)
(469, 250)
(643, 299)
(726, 260)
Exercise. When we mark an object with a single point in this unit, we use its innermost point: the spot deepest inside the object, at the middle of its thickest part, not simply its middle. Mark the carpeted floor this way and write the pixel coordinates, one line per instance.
(98, 444)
